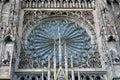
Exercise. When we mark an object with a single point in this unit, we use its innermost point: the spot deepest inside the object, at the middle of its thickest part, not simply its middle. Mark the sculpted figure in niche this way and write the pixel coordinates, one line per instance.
(115, 57)
(7, 50)
(108, 22)
(6, 58)
(110, 31)
(114, 49)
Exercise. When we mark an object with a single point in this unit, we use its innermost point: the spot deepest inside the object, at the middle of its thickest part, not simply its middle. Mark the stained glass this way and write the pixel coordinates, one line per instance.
(44, 39)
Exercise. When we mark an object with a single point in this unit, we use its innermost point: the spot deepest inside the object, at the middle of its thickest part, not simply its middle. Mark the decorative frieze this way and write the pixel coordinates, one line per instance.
(92, 77)
(33, 15)
(85, 76)
(81, 4)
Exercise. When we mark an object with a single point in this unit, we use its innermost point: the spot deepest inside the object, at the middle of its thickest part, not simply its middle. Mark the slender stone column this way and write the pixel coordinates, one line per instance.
(3, 44)
(67, 3)
(85, 3)
(1, 11)
(42, 3)
(33, 4)
(60, 54)
(26, 4)
(54, 3)
(113, 8)
(54, 62)
(1, 25)
(42, 75)
(1, 7)
(36, 3)
(73, 3)
(78, 75)
(66, 65)
(30, 3)
(93, 3)
(119, 5)
(48, 67)
(79, 4)
(72, 68)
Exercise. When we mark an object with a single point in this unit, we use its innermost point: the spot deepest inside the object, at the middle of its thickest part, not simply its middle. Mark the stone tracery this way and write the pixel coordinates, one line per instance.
(43, 18)
(31, 59)
(71, 34)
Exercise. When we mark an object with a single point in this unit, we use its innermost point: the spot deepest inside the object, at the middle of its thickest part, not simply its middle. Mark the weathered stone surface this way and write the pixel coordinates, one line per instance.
(60, 39)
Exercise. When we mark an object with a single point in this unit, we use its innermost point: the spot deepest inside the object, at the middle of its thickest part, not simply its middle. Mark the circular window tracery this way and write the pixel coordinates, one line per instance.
(46, 37)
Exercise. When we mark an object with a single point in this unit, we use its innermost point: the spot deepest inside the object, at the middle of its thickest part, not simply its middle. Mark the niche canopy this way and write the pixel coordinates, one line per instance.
(59, 4)
(60, 38)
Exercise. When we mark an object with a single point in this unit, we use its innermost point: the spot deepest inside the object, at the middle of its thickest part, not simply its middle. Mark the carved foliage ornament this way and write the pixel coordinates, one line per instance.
(34, 15)
(108, 23)
(110, 35)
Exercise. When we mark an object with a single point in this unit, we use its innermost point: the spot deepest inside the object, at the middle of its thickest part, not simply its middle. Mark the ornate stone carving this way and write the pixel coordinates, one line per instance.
(112, 52)
(110, 37)
(31, 76)
(85, 76)
(88, 16)
(83, 60)
(115, 57)
(31, 16)
(92, 77)
(48, 14)
(58, 4)
(108, 24)
(94, 61)
(28, 15)
(6, 58)
(25, 62)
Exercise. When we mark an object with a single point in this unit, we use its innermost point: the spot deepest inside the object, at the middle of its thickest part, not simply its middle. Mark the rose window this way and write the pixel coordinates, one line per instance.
(61, 41)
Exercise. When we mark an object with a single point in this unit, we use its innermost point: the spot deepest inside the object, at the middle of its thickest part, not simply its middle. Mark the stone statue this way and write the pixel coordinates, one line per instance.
(108, 22)
(6, 58)
(113, 50)
(115, 57)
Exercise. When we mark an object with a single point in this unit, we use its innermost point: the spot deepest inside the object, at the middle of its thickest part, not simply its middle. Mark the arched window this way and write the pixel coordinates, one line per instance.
(22, 78)
(33, 78)
(111, 39)
(98, 78)
(8, 39)
(87, 78)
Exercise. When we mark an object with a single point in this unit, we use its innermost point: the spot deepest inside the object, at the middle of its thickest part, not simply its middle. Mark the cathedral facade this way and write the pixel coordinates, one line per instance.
(59, 39)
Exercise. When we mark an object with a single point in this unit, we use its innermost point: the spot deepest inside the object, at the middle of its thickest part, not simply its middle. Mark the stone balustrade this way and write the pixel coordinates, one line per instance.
(82, 4)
